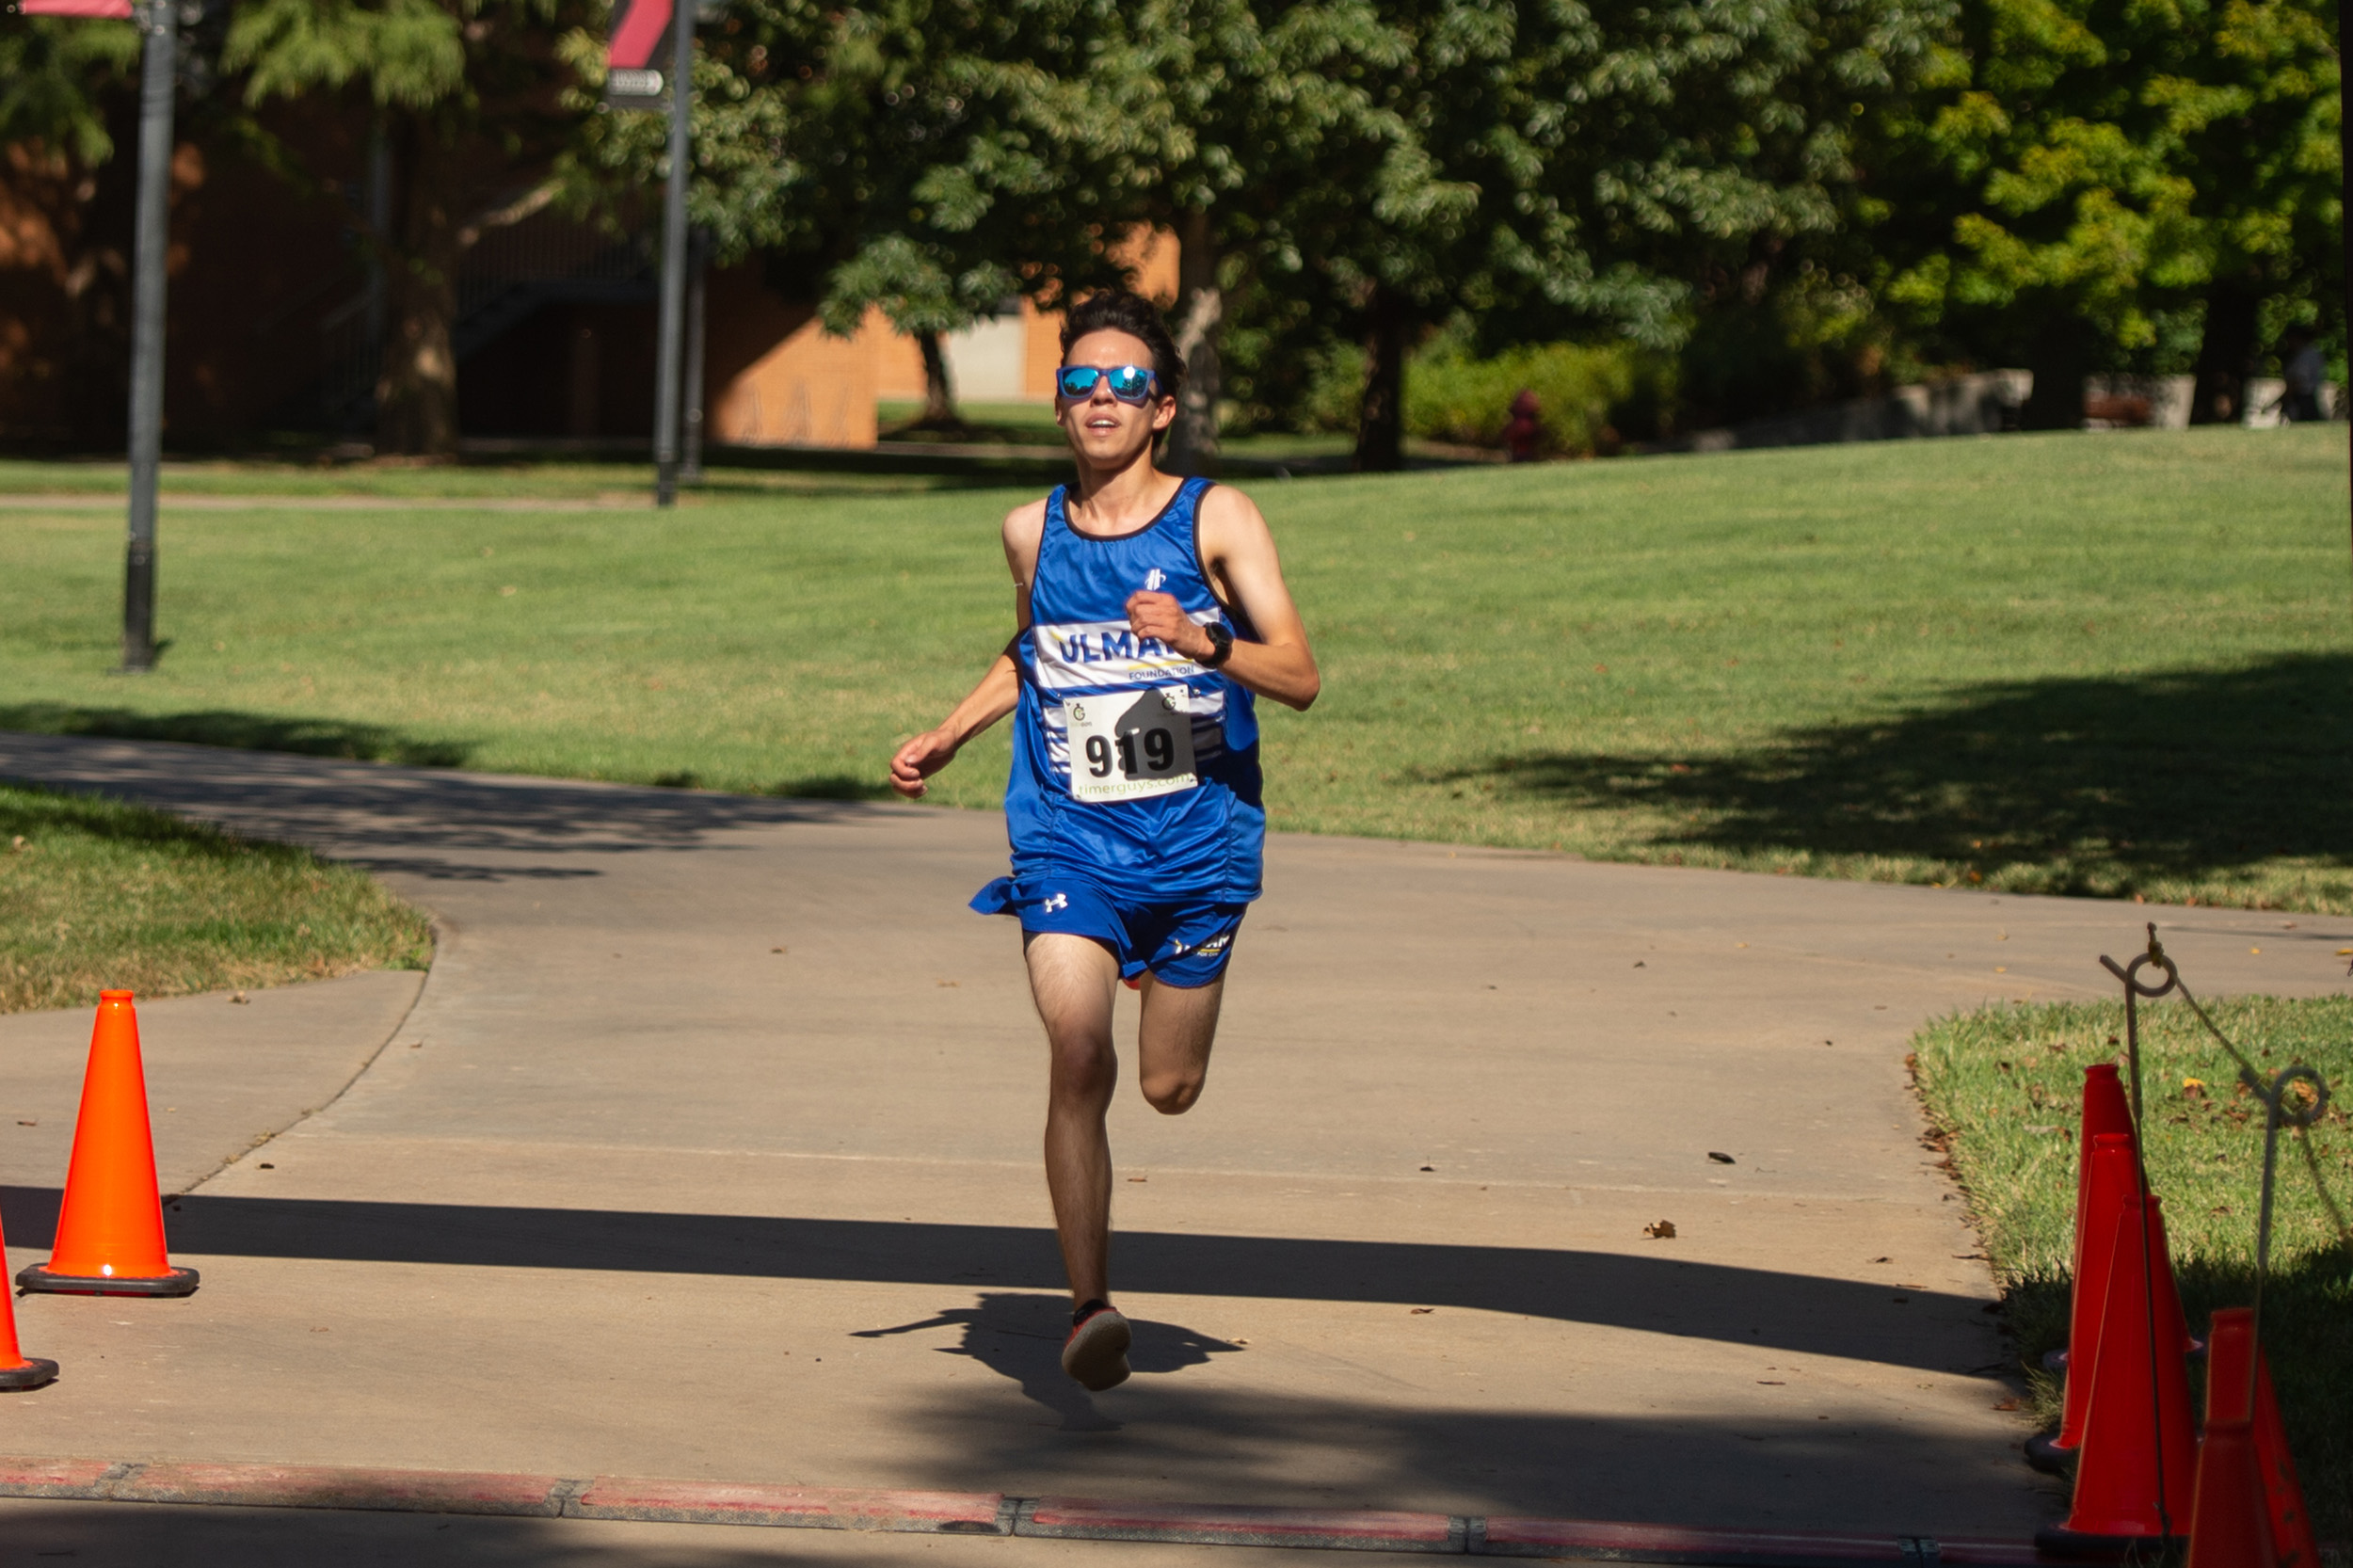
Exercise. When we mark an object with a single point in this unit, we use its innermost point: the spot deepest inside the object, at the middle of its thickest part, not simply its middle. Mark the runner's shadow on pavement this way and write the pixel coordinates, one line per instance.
(1019, 1336)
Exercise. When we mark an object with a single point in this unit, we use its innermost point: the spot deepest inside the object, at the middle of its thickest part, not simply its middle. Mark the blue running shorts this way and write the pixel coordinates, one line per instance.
(1185, 944)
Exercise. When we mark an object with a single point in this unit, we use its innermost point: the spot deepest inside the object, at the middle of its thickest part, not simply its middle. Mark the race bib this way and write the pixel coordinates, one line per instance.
(1131, 745)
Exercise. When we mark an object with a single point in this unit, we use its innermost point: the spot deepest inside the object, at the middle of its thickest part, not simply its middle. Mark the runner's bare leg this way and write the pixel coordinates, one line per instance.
(1173, 1043)
(1073, 981)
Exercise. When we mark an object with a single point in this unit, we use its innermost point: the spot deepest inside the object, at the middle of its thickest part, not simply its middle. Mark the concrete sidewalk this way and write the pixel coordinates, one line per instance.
(632, 1191)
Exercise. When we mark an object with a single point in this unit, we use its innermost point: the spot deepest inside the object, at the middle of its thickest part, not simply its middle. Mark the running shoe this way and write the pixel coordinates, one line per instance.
(1097, 1351)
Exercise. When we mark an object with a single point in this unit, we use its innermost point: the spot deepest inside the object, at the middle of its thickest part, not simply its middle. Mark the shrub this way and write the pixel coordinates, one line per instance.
(1450, 397)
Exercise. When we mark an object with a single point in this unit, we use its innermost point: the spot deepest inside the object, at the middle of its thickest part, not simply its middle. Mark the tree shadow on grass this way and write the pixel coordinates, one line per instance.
(306, 737)
(2095, 785)
(37, 813)
(439, 822)
(347, 741)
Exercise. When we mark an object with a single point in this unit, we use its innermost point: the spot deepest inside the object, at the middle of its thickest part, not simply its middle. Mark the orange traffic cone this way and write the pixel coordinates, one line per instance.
(110, 1230)
(2132, 1481)
(2111, 1180)
(2104, 1111)
(2229, 1524)
(18, 1371)
(2107, 1173)
(2283, 1494)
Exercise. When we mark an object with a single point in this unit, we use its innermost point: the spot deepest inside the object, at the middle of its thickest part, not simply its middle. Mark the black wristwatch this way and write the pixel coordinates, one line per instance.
(1221, 645)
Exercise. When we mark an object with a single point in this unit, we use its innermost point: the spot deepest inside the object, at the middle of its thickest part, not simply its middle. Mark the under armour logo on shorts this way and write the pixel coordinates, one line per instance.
(1058, 900)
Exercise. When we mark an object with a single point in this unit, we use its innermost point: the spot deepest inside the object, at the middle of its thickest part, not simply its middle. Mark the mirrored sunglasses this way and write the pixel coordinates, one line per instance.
(1132, 384)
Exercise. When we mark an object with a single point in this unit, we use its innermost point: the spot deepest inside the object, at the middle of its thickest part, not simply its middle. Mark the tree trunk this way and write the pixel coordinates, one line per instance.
(939, 388)
(416, 391)
(2226, 354)
(2060, 361)
(1381, 418)
(1200, 306)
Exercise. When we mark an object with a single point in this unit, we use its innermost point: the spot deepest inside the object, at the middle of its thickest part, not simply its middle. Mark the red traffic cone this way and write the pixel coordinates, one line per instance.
(2104, 1111)
(2111, 1179)
(2132, 1481)
(18, 1371)
(2283, 1494)
(2229, 1524)
(110, 1229)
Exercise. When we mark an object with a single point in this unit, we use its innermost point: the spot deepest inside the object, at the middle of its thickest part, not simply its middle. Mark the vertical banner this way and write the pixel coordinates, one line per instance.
(633, 69)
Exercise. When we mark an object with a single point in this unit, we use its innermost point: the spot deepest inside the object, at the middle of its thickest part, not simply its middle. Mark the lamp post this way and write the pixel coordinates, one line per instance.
(158, 66)
(665, 419)
(159, 23)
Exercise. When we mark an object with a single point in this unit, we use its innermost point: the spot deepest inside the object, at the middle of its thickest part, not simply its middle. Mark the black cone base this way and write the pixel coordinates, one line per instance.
(34, 1373)
(2045, 1454)
(2058, 1541)
(40, 1279)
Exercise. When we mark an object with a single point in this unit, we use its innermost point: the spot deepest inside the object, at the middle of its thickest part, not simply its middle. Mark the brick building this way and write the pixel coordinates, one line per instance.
(275, 320)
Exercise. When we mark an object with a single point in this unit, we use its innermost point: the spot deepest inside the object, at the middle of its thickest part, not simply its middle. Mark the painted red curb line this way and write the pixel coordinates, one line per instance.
(792, 1506)
(335, 1486)
(1089, 1519)
(775, 1506)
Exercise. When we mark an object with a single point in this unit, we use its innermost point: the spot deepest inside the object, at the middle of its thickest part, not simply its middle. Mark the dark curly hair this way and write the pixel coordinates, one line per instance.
(1122, 310)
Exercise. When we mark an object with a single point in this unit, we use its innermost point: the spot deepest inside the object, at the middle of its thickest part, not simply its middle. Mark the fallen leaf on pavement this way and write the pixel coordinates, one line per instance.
(1664, 1230)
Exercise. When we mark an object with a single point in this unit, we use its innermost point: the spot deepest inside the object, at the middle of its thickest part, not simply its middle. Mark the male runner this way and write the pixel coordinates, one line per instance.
(1149, 610)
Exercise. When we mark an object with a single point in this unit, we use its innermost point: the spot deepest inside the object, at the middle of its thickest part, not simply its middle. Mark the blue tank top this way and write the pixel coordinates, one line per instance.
(1121, 711)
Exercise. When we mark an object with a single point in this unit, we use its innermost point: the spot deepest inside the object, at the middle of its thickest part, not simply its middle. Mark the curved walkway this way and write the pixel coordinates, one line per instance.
(709, 1149)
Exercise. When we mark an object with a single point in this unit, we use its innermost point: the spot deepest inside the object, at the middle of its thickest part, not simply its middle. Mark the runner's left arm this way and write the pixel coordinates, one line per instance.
(1239, 549)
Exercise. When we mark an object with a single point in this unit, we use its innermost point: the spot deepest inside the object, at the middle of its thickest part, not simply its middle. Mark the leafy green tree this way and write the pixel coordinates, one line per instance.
(2121, 184)
(55, 74)
(1342, 168)
(1586, 173)
(465, 99)
(930, 160)
(1244, 128)
(68, 88)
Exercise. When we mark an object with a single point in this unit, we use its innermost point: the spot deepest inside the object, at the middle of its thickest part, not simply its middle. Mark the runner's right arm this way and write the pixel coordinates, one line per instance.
(1000, 689)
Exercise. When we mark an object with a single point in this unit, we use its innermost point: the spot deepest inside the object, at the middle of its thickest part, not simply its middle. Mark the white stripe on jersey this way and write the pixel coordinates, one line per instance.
(1109, 653)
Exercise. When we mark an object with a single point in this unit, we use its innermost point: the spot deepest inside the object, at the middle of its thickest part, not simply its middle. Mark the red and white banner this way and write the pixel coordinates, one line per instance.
(112, 10)
(640, 27)
(634, 61)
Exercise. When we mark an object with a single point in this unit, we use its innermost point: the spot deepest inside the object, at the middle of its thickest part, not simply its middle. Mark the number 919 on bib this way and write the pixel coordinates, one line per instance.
(1127, 745)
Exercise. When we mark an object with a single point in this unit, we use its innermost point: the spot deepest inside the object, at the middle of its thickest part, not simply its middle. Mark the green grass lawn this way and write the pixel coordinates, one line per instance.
(2110, 664)
(566, 482)
(96, 894)
(2005, 1080)
(1024, 424)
